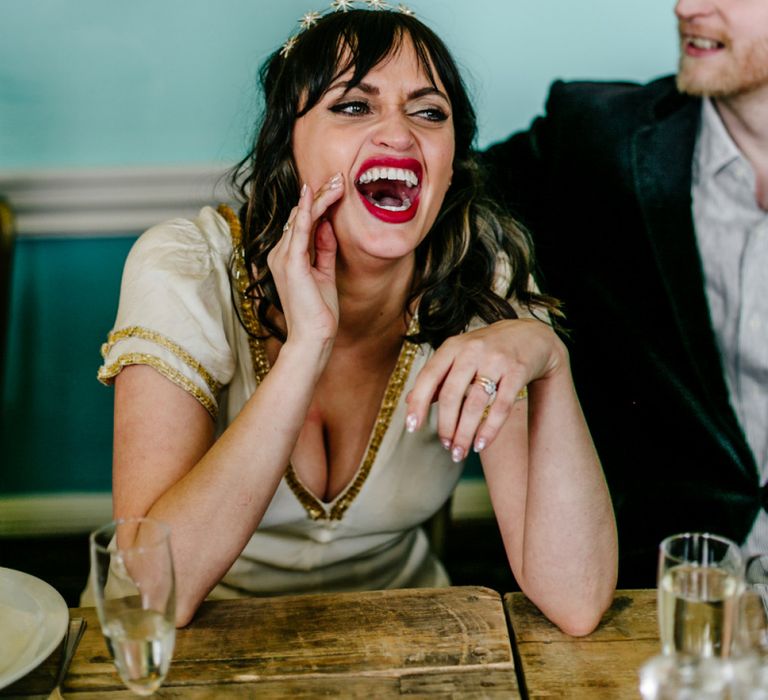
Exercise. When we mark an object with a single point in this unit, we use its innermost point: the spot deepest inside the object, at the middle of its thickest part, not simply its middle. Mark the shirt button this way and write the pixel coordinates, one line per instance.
(323, 534)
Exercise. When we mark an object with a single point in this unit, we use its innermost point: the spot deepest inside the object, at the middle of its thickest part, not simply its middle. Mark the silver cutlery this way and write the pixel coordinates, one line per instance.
(71, 640)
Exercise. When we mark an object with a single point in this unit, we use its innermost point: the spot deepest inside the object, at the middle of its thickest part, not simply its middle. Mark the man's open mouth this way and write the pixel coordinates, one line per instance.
(703, 43)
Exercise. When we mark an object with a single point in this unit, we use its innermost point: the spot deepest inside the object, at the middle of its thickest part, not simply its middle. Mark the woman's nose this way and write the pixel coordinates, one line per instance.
(394, 131)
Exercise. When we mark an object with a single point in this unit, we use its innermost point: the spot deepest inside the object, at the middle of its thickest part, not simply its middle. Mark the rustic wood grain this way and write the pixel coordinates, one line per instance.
(604, 664)
(450, 642)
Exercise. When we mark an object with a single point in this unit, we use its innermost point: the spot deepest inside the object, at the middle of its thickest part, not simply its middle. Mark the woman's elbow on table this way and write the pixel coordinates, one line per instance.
(186, 607)
(579, 618)
(184, 616)
(582, 622)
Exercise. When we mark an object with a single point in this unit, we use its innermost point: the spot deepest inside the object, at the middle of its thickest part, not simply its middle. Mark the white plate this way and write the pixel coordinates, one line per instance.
(30, 595)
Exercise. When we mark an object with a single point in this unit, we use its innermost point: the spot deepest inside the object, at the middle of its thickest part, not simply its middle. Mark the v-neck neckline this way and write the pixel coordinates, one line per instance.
(316, 508)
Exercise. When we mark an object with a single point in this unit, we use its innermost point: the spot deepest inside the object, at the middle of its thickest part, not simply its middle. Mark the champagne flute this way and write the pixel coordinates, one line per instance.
(700, 579)
(752, 624)
(751, 637)
(134, 588)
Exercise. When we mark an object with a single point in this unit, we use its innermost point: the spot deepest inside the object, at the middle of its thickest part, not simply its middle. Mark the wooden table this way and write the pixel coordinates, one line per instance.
(450, 642)
(603, 665)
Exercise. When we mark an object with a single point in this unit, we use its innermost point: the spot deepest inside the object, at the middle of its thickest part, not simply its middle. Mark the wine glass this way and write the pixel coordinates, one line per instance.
(700, 579)
(752, 625)
(134, 588)
(686, 677)
(751, 637)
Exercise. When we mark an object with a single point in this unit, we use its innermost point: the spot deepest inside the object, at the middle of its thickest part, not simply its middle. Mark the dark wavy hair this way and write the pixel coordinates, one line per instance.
(457, 261)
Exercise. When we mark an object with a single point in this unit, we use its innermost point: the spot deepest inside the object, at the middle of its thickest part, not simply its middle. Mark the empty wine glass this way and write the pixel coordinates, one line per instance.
(134, 588)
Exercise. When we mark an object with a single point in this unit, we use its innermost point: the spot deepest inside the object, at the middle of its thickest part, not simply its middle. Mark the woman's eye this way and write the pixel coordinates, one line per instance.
(432, 114)
(352, 108)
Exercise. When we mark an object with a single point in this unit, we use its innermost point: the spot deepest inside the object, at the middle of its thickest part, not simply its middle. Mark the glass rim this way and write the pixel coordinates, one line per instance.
(693, 536)
(165, 530)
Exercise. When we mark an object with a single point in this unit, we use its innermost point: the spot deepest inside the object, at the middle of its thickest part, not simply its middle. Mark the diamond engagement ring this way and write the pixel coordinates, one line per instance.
(489, 386)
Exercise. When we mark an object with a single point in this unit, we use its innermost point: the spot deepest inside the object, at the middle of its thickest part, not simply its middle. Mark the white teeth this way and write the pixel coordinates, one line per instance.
(373, 174)
(405, 205)
(701, 43)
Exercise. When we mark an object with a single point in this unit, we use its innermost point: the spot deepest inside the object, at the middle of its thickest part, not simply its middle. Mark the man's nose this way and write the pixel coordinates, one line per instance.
(689, 9)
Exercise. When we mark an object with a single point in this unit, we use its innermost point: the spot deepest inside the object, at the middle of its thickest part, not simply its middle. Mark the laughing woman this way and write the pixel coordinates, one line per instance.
(296, 386)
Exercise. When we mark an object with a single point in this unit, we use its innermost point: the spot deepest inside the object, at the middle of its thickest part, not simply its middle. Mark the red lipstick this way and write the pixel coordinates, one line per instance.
(394, 201)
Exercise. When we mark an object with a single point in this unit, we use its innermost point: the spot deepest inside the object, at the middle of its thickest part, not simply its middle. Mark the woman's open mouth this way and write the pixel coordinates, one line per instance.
(390, 187)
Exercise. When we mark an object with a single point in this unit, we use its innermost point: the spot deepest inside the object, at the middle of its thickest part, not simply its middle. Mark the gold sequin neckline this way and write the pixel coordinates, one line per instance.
(315, 508)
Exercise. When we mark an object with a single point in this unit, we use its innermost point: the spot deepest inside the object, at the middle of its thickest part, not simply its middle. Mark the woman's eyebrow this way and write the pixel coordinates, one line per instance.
(369, 89)
(428, 92)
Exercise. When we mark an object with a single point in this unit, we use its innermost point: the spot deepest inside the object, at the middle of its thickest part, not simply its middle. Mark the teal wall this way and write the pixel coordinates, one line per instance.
(56, 431)
(88, 83)
(102, 82)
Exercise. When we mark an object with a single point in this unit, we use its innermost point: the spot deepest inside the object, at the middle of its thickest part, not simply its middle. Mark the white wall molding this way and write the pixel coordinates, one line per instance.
(109, 201)
(471, 500)
(53, 513)
(41, 514)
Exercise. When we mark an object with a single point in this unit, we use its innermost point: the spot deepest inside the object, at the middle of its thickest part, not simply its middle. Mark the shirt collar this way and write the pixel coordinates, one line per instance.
(715, 148)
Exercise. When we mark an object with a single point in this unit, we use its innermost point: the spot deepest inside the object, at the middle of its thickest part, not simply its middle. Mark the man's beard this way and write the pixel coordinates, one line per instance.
(743, 72)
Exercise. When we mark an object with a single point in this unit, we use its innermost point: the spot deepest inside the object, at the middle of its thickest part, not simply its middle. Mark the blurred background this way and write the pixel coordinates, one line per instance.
(116, 115)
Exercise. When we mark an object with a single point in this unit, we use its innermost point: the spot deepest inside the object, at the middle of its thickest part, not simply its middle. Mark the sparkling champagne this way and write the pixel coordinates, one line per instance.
(697, 605)
(141, 643)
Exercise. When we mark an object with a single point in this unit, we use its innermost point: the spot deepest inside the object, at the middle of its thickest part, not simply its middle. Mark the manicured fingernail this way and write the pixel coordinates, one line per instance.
(457, 454)
(411, 422)
(446, 443)
(303, 189)
(335, 181)
(480, 444)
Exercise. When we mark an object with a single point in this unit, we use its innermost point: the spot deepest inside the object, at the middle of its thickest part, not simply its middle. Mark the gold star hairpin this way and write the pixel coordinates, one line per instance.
(309, 20)
(288, 45)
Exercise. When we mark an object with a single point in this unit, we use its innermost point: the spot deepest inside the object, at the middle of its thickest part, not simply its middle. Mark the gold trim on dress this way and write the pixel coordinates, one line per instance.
(164, 342)
(140, 358)
(315, 508)
(246, 301)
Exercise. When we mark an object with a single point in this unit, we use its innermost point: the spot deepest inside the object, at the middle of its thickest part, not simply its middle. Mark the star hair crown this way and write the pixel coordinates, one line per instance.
(310, 19)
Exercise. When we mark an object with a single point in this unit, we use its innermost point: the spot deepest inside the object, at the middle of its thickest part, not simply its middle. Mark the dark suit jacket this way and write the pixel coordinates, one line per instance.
(603, 182)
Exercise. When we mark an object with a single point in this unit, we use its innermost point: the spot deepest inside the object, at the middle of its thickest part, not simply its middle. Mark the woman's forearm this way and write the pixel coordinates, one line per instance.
(560, 531)
(213, 494)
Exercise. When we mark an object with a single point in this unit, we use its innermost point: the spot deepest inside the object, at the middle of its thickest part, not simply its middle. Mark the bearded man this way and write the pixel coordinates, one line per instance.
(647, 205)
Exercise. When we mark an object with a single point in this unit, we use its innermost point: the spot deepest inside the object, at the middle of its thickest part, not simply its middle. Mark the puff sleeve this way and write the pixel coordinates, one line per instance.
(175, 312)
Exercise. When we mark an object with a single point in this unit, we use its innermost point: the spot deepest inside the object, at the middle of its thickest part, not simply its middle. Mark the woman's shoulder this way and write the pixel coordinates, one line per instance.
(502, 275)
(501, 281)
(186, 246)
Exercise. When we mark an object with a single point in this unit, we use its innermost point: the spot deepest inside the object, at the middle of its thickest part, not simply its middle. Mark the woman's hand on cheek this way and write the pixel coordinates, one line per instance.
(303, 265)
(511, 354)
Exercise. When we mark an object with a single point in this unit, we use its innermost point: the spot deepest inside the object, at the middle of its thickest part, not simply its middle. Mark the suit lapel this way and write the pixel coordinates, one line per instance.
(665, 145)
